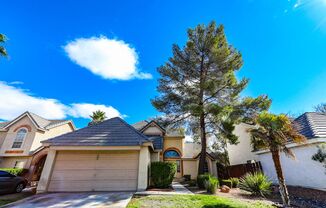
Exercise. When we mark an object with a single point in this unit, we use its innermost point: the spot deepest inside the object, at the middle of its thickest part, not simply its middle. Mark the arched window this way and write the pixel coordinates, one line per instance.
(21, 134)
(171, 154)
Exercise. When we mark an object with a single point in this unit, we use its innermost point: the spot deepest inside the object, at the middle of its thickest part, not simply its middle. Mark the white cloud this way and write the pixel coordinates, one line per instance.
(84, 110)
(14, 101)
(108, 58)
(297, 4)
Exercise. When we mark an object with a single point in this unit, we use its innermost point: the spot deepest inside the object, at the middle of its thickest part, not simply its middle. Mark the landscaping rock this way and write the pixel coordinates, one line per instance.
(225, 189)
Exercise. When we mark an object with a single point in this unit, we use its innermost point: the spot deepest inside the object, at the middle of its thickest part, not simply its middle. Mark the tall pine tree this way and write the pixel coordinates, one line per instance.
(198, 88)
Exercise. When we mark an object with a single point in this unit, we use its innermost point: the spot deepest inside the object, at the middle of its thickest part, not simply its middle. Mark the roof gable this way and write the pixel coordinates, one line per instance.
(111, 132)
(152, 124)
(26, 114)
(38, 121)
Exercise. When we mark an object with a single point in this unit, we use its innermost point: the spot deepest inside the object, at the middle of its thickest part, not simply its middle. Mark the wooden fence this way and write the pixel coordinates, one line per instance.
(238, 171)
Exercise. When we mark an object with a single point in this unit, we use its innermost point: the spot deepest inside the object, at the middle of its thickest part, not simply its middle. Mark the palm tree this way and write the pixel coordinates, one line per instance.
(3, 51)
(274, 132)
(97, 117)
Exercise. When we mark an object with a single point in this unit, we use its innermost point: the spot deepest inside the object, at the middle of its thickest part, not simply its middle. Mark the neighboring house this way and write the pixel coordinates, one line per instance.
(20, 139)
(303, 171)
(114, 156)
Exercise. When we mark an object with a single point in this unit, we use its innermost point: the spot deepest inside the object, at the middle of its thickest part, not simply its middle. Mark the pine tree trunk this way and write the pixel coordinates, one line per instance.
(202, 159)
(282, 186)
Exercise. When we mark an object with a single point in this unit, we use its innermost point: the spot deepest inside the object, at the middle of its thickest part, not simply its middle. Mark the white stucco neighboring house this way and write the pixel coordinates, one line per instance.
(303, 171)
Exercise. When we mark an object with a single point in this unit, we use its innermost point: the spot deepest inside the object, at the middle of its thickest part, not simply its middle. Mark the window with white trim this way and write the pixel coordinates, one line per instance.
(18, 142)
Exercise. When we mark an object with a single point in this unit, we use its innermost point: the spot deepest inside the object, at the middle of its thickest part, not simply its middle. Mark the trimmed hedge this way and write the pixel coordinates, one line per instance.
(162, 174)
(201, 180)
(15, 171)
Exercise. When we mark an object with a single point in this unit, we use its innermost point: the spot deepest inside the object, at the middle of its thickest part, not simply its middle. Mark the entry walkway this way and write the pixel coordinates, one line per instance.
(177, 189)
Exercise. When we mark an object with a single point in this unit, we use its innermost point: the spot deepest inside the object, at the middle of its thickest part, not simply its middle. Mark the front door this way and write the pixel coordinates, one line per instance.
(178, 173)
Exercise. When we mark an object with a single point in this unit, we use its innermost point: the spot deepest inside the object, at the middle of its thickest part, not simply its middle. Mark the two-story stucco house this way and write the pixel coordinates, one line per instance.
(20, 139)
(115, 156)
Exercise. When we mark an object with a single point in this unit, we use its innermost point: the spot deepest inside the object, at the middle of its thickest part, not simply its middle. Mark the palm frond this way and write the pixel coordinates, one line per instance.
(3, 38)
(288, 152)
(3, 51)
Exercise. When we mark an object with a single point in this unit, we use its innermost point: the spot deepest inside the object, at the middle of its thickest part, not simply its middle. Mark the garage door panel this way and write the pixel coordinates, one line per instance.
(73, 175)
(117, 165)
(130, 156)
(63, 186)
(95, 171)
(73, 156)
(73, 165)
(116, 174)
(109, 185)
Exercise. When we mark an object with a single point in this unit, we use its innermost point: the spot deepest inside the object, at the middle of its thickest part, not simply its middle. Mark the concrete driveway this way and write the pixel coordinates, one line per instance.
(89, 199)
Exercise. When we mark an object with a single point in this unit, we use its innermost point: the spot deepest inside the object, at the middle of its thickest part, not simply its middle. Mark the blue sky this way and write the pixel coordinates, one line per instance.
(58, 65)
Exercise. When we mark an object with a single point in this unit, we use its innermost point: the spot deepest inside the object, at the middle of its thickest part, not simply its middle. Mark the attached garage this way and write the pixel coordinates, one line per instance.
(95, 171)
(109, 156)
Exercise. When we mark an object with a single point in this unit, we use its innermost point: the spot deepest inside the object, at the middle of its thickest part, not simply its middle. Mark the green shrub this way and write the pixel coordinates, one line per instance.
(192, 183)
(162, 173)
(211, 185)
(201, 180)
(15, 171)
(227, 182)
(235, 182)
(256, 183)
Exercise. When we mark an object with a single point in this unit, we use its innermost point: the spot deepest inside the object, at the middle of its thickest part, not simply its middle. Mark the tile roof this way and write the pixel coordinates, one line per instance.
(111, 132)
(139, 125)
(311, 124)
(157, 142)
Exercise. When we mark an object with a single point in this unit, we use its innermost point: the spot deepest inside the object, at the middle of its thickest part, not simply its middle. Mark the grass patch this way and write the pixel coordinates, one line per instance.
(192, 201)
(7, 201)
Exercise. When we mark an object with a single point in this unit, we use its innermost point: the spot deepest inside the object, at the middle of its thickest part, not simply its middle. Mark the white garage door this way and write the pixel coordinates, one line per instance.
(95, 171)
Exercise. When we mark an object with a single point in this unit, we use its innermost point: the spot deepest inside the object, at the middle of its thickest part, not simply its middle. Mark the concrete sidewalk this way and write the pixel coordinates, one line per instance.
(80, 200)
(177, 189)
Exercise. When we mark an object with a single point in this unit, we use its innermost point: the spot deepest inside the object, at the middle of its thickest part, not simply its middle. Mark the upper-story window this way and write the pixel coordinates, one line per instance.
(171, 154)
(18, 142)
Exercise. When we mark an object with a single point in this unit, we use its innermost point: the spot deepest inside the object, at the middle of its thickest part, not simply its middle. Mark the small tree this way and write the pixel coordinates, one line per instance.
(320, 156)
(274, 132)
(97, 117)
(321, 108)
(3, 51)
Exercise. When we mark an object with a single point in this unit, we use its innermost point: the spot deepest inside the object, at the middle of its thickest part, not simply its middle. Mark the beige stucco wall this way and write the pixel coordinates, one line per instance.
(53, 132)
(155, 156)
(2, 137)
(241, 153)
(33, 138)
(191, 149)
(212, 167)
(11, 135)
(190, 167)
(152, 130)
(47, 171)
(9, 162)
(143, 168)
(173, 142)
